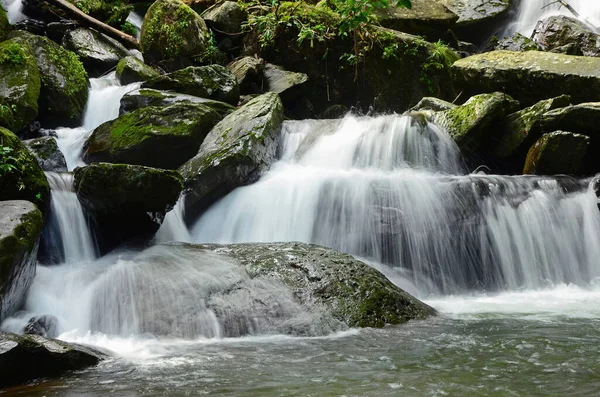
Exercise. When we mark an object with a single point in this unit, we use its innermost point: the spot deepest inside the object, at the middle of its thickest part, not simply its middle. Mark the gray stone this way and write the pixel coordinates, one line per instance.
(98, 52)
(47, 154)
(567, 35)
(145, 97)
(434, 104)
(557, 152)
(249, 74)
(131, 69)
(226, 16)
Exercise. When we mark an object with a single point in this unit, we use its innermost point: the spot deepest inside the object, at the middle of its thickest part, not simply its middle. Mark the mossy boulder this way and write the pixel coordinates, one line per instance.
(98, 52)
(47, 154)
(557, 152)
(516, 42)
(235, 153)
(64, 85)
(127, 202)
(145, 97)
(428, 18)
(162, 137)
(4, 25)
(19, 85)
(433, 104)
(523, 128)
(21, 177)
(213, 81)
(567, 35)
(226, 16)
(249, 73)
(25, 358)
(130, 70)
(173, 33)
(20, 228)
(469, 123)
(529, 76)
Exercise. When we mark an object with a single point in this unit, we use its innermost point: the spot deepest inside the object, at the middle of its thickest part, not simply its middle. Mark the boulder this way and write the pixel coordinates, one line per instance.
(529, 76)
(19, 86)
(56, 30)
(21, 177)
(47, 154)
(46, 326)
(516, 42)
(557, 152)
(428, 18)
(20, 227)
(478, 18)
(523, 128)
(24, 358)
(172, 33)
(98, 52)
(583, 118)
(433, 104)
(130, 70)
(161, 137)
(283, 82)
(64, 88)
(567, 35)
(249, 74)
(235, 153)
(468, 124)
(127, 202)
(213, 81)
(32, 26)
(226, 16)
(145, 97)
(4, 25)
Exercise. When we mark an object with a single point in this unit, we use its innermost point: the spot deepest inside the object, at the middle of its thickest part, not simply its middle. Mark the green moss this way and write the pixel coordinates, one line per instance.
(112, 12)
(12, 55)
(4, 25)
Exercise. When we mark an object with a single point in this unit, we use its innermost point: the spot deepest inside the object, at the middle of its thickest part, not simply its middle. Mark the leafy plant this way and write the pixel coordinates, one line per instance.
(7, 160)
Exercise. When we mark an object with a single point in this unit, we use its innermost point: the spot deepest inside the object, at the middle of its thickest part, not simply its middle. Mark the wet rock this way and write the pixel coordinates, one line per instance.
(214, 82)
(172, 33)
(24, 178)
(529, 76)
(557, 152)
(32, 26)
(235, 152)
(20, 228)
(162, 137)
(434, 104)
(516, 42)
(46, 326)
(226, 16)
(64, 81)
(19, 86)
(56, 30)
(24, 358)
(469, 123)
(127, 202)
(98, 52)
(523, 128)
(47, 154)
(145, 97)
(567, 35)
(130, 70)
(249, 74)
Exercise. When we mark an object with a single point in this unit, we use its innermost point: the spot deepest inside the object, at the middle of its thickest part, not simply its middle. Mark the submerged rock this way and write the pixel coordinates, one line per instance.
(145, 97)
(126, 201)
(130, 70)
(64, 82)
(567, 35)
(46, 326)
(98, 52)
(20, 228)
(24, 358)
(234, 153)
(24, 178)
(162, 137)
(214, 82)
(529, 76)
(47, 154)
(558, 152)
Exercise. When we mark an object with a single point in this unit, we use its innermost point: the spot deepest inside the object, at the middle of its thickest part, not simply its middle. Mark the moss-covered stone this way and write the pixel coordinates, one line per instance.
(468, 123)
(19, 85)
(145, 97)
(557, 152)
(226, 16)
(21, 177)
(529, 76)
(172, 32)
(567, 35)
(234, 153)
(20, 227)
(47, 153)
(25, 358)
(64, 85)
(98, 52)
(130, 70)
(4, 25)
(516, 42)
(214, 82)
(249, 74)
(163, 137)
(523, 128)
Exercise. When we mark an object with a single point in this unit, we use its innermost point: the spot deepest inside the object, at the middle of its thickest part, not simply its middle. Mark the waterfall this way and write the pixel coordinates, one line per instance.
(391, 189)
(136, 20)
(532, 11)
(68, 221)
(173, 227)
(14, 10)
(102, 105)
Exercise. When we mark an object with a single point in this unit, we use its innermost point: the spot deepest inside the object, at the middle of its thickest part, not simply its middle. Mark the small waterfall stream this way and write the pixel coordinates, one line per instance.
(532, 11)
(14, 10)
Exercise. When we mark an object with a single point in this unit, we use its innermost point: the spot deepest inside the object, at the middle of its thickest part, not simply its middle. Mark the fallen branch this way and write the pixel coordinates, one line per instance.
(128, 41)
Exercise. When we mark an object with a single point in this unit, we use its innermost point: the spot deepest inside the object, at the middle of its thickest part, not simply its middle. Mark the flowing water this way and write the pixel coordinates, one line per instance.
(14, 10)
(136, 20)
(532, 11)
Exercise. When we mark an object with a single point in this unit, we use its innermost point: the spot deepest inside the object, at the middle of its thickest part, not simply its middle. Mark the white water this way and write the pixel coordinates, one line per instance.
(532, 11)
(14, 10)
(136, 20)
(68, 217)
(173, 227)
(102, 106)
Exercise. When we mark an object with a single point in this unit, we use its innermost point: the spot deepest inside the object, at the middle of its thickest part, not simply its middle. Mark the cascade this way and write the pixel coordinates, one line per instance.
(102, 106)
(136, 20)
(532, 11)
(173, 227)
(14, 10)
(392, 190)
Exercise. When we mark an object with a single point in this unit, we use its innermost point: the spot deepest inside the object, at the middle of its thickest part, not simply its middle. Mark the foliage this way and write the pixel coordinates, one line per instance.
(7, 160)
(12, 54)
(129, 28)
